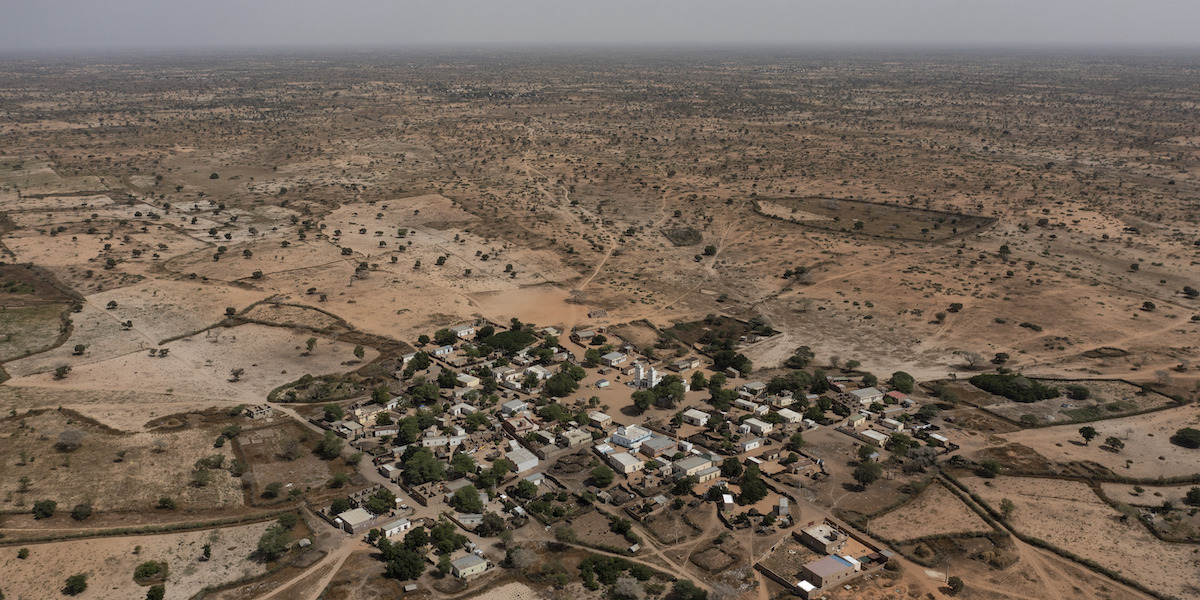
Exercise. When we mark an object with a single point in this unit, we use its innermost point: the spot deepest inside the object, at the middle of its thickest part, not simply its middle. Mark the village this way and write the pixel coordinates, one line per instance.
(485, 451)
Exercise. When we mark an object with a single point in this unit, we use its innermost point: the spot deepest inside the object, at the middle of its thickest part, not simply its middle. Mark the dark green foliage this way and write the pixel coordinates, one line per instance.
(330, 446)
(81, 511)
(903, 382)
(382, 501)
(729, 358)
(509, 342)
(44, 509)
(274, 542)
(686, 590)
(753, 487)
(602, 476)
(466, 499)
(148, 569)
(867, 472)
(156, 592)
(1187, 437)
(1015, 387)
(420, 466)
(75, 584)
(731, 467)
(1078, 392)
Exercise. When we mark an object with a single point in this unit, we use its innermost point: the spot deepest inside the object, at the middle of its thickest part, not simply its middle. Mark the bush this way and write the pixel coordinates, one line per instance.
(149, 569)
(81, 511)
(75, 584)
(1186, 437)
(44, 509)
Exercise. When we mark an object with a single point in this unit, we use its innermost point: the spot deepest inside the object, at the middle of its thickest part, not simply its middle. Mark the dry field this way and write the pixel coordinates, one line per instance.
(1150, 495)
(1148, 451)
(936, 511)
(112, 472)
(109, 563)
(1070, 516)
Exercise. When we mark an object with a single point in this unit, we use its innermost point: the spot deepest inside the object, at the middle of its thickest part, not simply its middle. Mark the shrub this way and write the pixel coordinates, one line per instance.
(44, 509)
(75, 584)
(1186, 437)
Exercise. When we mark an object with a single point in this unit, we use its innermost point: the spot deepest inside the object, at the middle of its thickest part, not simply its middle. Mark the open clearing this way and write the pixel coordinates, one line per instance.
(937, 511)
(1147, 440)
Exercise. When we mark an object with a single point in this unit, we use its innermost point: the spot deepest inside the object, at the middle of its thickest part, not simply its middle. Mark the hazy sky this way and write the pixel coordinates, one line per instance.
(37, 25)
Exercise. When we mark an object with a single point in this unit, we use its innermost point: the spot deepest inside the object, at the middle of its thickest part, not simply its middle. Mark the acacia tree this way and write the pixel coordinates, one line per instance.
(1089, 433)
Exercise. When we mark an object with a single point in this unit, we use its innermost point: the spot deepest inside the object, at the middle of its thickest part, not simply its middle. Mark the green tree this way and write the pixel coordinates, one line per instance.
(560, 384)
(310, 343)
(796, 442)
(330, 446)
(274, 542)
(1088, 433)
(466, 499)
(867, 472)
(156, 592)
(359, 352)
(1007, 507)
(463, 463)
(420, 466)
(602, 476)
(273, 489)
(989, 467)
(731, 467)
(333, 412)
(686, 590)
(1193, 496)
(1114, 443)
(753, 487)
(903, 382)
(955, 583)
(1187, 437)
(526, 489)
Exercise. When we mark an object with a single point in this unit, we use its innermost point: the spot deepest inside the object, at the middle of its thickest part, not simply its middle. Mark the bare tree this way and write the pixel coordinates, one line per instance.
(629, 589)
(69, 440)
(522, 558)
(972, 359)
(1163, 377)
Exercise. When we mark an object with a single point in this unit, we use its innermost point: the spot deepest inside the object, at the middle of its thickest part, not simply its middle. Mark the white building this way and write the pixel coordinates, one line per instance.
(443, 351)
(468, 381)
(695, 417)
(463, 331)
(789, 416)
(522, 458)
(613, 359)
(624, 462)
(645, 376)
(395, 527)
(751, 444)
(630, 436)
(758, 427)
(867, 396)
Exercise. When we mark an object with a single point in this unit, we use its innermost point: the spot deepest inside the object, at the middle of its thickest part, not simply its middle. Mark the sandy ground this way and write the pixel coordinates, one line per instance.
(110, 562)
(1070, 516)
(1149, 496)
(936, 511)
(1147, 443)
(271, 356)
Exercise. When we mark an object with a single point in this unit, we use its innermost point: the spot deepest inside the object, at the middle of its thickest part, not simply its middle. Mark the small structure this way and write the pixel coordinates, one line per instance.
(692, 465)
(574, 437)
(685, 364)
(260, 411)
(695, 417)
(520, 425)
(867, 396)
(823, 538)
(467, 566)
(758, 427)
(856, 421)
(395, 527)
(614, 358)
(630, 436)
(624, 462)
(875, 438)
(751, 444)
(522, 458)
(829, 570)
(513, 407)
(657, 445)
(754, 388)
(789, 416)
(892, 425)
(583, 337)
(463, 331)
(600, 419)
(356, 520)
(467, 381)
(443, 351)
(781, 510)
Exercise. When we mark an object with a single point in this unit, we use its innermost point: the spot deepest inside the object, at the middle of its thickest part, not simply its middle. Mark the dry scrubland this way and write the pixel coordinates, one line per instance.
(110, 563)
(913, 212)
(937, 511)
(1069, 515)
(151, 465)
